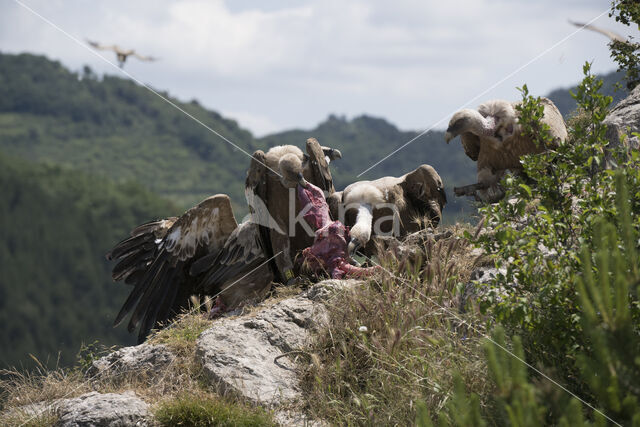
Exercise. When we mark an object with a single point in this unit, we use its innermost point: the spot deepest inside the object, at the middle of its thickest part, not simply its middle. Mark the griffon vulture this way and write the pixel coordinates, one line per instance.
(121, 54)
(205, 252)
(328, 254)
(389, 206)
(492, 136)
(273, 200)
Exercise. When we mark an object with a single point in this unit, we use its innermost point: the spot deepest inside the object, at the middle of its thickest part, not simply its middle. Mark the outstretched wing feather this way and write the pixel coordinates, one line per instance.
(159, 274)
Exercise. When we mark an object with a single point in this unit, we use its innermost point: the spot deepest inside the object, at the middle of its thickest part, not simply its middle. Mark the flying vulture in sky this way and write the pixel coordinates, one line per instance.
(613, 36)
(121, 54)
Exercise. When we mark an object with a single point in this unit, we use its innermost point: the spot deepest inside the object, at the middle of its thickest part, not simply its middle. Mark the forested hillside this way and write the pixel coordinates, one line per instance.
(114, 127)
(55, 285)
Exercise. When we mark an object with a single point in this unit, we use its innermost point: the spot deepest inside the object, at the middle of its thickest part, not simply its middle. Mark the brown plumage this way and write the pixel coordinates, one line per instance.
(205, 252)
(121, 54)
(272, 199)
(389, 206)
(492, 136)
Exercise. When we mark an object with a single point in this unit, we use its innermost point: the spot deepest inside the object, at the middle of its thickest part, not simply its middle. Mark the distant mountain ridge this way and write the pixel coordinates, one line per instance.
(566, 104)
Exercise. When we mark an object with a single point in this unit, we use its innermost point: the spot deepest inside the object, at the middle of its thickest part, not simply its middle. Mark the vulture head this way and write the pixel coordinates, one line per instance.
(424, 190)
(291, 170)
(331, 154)
(472, 121)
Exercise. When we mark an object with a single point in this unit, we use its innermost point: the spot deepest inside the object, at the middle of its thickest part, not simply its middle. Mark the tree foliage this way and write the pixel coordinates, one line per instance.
(627, 54)
(55, 283)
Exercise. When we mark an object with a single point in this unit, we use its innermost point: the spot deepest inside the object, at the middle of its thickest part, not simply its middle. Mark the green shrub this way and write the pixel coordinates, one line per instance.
(607, 291)
(627, 55)
(539, 227)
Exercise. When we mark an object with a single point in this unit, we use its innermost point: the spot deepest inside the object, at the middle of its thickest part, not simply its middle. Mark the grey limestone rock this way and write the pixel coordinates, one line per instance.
(139, 358)
(96, 409)
(253, 356)
(624, 119)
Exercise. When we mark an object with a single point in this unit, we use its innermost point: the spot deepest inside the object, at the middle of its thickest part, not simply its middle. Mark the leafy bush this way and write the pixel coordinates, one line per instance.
(608, 364)
(539, 227)
(397, 341)
(627, 55)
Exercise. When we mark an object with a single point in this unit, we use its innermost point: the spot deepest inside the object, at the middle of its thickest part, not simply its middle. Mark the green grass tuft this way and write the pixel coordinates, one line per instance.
(209, 410)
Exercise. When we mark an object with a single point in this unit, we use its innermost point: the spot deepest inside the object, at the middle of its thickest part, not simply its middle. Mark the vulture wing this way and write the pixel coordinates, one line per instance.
(162, 284)
(610, 34)
(321, 175)
(145, 58)
(471, 145)
(99, 46)
(234, 266)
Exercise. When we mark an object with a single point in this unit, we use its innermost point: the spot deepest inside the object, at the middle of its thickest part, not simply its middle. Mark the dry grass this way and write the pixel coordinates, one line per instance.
(399, 340)
(165, 388)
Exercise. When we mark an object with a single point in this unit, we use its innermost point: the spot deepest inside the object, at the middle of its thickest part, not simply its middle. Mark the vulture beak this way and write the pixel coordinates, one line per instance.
(353, 246)
(336, 154)
(448, 136)
(303, 182)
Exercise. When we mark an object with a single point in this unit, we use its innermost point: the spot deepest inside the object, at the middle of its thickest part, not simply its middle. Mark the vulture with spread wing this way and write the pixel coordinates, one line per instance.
(205, 252)
(121, 54)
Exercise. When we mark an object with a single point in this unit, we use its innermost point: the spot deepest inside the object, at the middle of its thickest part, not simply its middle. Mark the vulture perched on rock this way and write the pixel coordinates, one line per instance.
(205, 252)
(274, 201)
(492, 136)
(389, 206)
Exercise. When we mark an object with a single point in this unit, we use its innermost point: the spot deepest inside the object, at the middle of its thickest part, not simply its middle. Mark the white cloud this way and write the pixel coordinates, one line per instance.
(259, 124)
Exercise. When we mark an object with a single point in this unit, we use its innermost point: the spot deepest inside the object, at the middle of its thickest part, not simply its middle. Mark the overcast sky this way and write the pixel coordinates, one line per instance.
(283, 64)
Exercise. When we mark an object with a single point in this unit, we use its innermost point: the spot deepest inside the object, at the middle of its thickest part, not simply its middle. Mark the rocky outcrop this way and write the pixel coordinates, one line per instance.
(96, 409)
(136, 359)
(623, 121)
(253, 357)
(90, 410)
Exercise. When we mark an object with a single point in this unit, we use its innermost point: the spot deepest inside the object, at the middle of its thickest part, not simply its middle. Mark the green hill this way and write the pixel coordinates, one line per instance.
(116, 128)
(55, 283)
